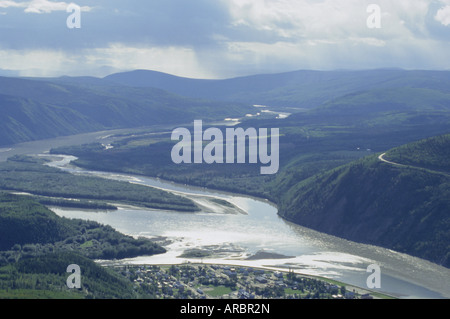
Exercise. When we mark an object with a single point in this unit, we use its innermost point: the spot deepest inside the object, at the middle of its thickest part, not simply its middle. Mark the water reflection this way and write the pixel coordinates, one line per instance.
(234, 238)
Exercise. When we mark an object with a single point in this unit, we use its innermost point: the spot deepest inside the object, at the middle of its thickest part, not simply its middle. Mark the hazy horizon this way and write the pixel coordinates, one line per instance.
(14, 74)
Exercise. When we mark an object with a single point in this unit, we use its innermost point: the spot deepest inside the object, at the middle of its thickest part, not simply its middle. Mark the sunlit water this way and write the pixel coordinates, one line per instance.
(232, 238)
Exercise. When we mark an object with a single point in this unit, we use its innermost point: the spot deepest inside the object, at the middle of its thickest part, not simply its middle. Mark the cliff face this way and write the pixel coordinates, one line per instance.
(403, 208)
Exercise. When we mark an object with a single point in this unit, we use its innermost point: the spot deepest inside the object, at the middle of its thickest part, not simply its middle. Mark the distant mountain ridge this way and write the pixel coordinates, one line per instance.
(301, 89)
(368, 201)
(37, 108)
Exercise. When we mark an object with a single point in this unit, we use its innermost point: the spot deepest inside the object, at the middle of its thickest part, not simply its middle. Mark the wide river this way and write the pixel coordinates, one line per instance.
(255, 231)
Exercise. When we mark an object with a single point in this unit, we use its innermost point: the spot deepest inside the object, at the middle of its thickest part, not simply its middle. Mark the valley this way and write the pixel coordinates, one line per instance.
(363, 170)
(312, 256)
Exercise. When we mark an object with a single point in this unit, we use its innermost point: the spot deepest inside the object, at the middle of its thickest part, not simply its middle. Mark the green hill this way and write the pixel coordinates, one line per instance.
(403, 208)
(24, 221)
(24, 120)
(382, 107)
(45, 277)
(35, 109)
(432, 153)
(29, 229)
(36, 246)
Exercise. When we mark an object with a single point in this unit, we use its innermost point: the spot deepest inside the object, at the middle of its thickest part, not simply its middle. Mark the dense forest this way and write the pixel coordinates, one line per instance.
(28, 228)
(372, 202)
(45, 277)
(431, 153)
(36, 246)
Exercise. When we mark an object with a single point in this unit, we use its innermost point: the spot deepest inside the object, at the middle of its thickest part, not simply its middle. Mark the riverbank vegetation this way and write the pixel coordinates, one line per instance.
(323, 169)
(29, 229)
(36, 247)
(45, 277)
(330, 178)
(373, 202)
(58, 188)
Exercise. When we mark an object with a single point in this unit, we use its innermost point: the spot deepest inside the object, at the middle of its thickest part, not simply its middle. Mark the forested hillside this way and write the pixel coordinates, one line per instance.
(432, 153)
(45, 277)
(330, 176)
(298, 89)
(370, 201)
(29, 229)
(35, 109)
(37, 246)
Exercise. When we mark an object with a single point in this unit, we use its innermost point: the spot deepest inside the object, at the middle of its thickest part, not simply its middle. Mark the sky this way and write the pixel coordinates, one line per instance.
(221, 38)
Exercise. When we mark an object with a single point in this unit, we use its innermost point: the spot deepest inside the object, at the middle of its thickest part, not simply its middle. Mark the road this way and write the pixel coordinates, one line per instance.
(381, 158)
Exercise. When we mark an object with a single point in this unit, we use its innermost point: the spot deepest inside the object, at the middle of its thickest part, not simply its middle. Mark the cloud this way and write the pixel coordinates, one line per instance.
(327, 19)
(33, 63)
(222, 38)
(180, 61)
(45, 6)
(443, 15)
(331, 34)
(39, 6)
(12, 4)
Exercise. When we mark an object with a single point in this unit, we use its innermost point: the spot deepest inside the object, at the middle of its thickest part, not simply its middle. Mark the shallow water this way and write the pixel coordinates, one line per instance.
(232, 238)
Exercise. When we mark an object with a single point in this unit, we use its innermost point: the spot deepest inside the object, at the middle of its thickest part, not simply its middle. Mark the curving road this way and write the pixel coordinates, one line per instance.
(381, 158)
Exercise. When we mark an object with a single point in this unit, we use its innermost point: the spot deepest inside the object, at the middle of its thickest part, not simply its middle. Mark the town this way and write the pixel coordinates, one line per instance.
(204, 281)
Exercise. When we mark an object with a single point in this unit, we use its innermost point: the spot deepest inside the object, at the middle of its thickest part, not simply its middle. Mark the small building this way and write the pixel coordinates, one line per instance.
(278, 274)
(349, 295)
(261, 279)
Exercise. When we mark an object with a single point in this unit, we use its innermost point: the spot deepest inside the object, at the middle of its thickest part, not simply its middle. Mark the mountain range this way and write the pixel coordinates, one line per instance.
(37, 108)
(297, 89)
(402, 206)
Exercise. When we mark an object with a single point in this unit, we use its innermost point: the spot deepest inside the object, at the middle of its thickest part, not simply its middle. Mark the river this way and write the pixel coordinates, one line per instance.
(258, 233)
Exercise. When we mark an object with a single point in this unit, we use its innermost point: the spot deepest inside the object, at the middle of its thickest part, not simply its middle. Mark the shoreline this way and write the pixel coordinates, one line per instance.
(228, 193)
(211, 193)
(349, 287)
